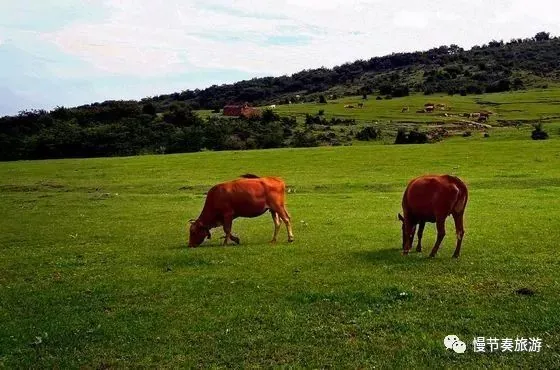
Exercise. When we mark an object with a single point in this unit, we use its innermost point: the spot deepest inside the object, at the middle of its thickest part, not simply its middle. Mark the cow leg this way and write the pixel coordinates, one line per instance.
(420, 233)
(285, 216)
(234, 238)
(228, 220)
(440, 225)
(277, 222)
(460, 231)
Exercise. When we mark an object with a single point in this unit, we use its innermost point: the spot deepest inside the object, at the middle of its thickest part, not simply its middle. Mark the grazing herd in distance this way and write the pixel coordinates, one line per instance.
(428, 198)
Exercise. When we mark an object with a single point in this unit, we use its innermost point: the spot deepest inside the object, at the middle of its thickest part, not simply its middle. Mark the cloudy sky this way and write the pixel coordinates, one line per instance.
(71, 52)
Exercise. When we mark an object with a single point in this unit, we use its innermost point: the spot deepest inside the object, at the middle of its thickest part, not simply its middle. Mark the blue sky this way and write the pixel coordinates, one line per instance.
(71, 52)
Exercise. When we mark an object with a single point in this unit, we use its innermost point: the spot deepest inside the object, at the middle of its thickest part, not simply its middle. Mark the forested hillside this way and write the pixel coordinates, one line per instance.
(169, 123)
(494, 67)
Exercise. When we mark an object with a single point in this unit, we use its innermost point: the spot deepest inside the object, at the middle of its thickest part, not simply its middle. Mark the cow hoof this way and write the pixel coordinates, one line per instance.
(273, 241)
(290, 240)
(432, 256)
(455, 256)
(419, 250)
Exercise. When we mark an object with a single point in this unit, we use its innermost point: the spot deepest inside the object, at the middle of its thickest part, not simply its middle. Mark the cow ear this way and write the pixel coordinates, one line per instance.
(191, 221)
(208, 234)
(401, 217)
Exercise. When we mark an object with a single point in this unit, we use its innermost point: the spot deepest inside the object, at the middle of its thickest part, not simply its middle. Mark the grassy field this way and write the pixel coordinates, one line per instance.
(95, 271)
(508, 106)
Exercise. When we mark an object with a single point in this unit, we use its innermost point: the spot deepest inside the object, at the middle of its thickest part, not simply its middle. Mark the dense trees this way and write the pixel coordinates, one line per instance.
(114, 129)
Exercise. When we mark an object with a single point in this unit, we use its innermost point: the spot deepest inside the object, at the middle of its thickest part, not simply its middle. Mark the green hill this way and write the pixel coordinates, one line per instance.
(514, 83)
(493, 67)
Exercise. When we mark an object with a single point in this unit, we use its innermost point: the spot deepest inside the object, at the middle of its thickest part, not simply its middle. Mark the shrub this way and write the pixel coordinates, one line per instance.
(269, 116)
(304, 139)
(417, 137)
(401, 136)
(538, 132)
(368, 133)
(413, 137)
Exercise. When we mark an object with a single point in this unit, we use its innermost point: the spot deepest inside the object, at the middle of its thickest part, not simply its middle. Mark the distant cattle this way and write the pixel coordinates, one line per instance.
(483, 116)
(249, 196)
(405, 109)
(272, 106)
(360, 105)
(432, 198)
(429, 107)
(348, 106)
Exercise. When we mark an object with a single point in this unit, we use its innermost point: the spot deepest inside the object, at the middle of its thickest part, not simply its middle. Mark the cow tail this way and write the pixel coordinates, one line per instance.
(463, 196)
(250, 176)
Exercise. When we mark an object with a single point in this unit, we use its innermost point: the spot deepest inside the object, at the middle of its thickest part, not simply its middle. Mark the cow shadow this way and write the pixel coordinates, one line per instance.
(215, 244)
(391, 256)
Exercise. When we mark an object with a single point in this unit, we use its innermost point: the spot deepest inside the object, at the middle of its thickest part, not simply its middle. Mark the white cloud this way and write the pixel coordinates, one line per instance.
(409, 19)
(543, 11)
(151, 38)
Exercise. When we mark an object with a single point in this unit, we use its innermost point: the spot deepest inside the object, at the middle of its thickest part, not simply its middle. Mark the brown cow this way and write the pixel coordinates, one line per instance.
(432, 198)
(250, 196)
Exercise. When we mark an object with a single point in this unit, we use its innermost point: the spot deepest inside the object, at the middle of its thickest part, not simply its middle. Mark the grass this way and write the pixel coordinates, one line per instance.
(516, 105)
(96, 273)
(515, 108)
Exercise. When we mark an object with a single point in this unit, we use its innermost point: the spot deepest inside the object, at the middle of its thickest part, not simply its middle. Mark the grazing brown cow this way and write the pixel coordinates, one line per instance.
(250, 196)
(432, 198)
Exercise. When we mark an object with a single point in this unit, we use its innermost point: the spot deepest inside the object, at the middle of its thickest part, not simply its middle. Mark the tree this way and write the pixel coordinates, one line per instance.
(385, 89)
(149, 108)
(542, 36)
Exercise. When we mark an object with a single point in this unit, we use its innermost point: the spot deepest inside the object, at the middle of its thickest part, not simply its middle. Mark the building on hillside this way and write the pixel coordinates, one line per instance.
(240, 110)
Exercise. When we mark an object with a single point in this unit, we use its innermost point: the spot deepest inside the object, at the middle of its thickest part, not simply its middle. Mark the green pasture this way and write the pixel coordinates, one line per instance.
(523, 105)
(95, 273)
(515, 105)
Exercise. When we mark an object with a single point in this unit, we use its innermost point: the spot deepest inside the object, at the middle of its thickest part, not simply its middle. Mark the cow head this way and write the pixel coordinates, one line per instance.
(407, 234)
(197, 233)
